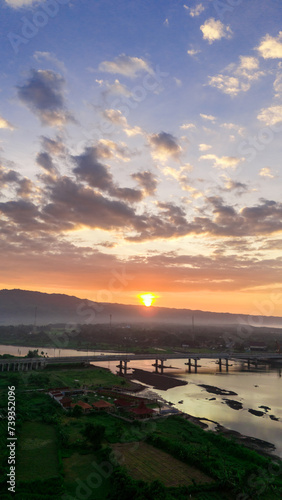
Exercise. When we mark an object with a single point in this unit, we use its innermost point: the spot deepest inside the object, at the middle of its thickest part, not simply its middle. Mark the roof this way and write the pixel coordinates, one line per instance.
(83, 405)
(65, 400)
(122, 402)
(102, 404)
(142, 409)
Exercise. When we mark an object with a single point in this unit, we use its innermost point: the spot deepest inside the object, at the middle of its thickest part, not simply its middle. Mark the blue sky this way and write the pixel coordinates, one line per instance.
(143, 138)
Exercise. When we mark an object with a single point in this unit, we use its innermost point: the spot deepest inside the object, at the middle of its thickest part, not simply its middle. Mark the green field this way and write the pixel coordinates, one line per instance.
(37, 452)
(82, 474)
(62, 377)
(147, 463)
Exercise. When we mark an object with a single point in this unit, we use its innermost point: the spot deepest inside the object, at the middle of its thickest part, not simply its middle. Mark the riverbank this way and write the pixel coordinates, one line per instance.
(158, 381)
(263, 447)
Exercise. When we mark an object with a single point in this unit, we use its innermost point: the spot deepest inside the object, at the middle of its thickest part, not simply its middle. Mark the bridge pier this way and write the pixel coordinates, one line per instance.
(159, 366)
(122, 367)
(220, 362)
(189, 364)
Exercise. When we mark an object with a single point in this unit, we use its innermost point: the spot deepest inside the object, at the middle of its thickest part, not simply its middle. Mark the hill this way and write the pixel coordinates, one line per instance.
(26, 307)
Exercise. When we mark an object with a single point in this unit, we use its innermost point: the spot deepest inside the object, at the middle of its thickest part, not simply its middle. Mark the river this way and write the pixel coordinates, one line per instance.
(258, 387)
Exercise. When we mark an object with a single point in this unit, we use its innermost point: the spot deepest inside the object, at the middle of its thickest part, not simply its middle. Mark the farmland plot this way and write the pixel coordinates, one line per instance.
(148, 463)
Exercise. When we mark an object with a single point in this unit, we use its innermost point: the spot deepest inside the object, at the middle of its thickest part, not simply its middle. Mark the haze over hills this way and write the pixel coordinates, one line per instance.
(27, 307)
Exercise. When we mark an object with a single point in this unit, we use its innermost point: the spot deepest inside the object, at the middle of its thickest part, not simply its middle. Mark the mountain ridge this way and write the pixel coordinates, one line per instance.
(19, 306)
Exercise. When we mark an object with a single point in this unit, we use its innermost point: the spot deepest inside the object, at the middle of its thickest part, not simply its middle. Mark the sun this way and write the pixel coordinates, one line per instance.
(147, 299)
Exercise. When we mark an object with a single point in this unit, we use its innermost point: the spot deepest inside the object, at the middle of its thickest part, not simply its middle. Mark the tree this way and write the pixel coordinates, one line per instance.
(94, 434)
(77, 411)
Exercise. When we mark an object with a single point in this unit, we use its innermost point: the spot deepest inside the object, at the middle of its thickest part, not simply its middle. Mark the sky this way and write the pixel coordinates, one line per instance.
(140, 151)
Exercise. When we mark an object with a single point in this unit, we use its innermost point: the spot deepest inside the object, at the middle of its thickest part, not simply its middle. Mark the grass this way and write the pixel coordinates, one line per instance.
(82, 474)
(59, 377)
(147, 463)
(37, 452)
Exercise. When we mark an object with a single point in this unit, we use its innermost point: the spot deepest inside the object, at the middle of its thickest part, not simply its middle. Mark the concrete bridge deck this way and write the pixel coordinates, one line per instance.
(17, 364)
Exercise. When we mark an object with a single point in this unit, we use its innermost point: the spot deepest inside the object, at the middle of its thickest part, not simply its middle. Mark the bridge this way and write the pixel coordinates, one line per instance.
(26, 364)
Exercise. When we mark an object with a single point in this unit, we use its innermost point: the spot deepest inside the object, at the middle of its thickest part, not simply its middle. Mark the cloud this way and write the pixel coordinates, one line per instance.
(180, 175)
(237, 78)
(271, 47)
(232, 126)
(231, 185)
(210, 118)
(147, 181)
(277, 85)
(223, 161)
(16, 4)
(45, 161)
(115, 88)
(188, 126)
(48, 56)
(195, 11)
(11, 178)
(164, 146)
(193, 52)
(270, 116)
(90, 170)
(204, 147)
(126, 66)
(52, 146)
(115, 117)
(266, 172)
(5, 124)
(215, 30)
(43, 94)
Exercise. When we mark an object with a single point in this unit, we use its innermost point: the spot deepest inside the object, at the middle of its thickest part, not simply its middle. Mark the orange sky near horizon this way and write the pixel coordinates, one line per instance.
(144, 156)
(253, 304)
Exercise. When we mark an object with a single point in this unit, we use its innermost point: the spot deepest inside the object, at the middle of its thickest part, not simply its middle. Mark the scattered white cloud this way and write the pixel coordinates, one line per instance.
(270, 116)
(204, 147)
(210, 118)
(237, 78)
(187, 126)
(116, 88)
(178, 82)
(195, 11)
(215, 30)
(48, 56)
(5, 124)
(223, 161)
(16, 4)
(193, 52)
(232, 126)
(271, 47)
(126, 66)
(277, 85)
(266, 172)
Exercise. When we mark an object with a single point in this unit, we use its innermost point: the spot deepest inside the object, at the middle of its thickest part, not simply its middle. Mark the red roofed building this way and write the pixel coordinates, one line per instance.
(142, 411)
(85, 406)
(66, 402)
(102, 405)
(124, 403)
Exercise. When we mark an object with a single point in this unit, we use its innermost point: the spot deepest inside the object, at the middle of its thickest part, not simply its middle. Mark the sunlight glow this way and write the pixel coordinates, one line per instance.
(147, 299)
